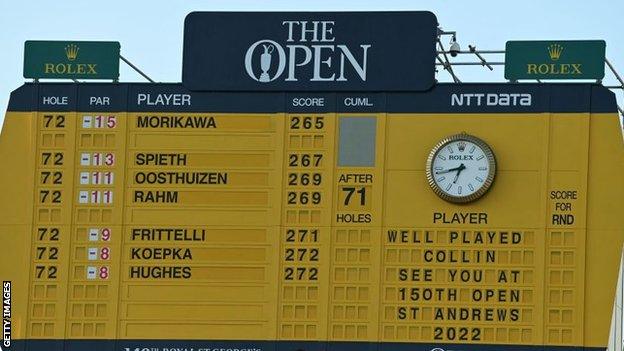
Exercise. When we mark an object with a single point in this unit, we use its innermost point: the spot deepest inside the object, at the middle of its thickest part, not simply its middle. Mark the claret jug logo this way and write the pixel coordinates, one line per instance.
(555, 52)
(266, 59)
(70, 66)
(310, 52)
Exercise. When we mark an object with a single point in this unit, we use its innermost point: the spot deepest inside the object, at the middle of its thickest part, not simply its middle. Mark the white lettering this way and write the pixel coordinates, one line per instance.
(325, 30)
(313, 31)
(266, 60)
(164, 99)
(292, 62)
(99, 100)
(317, 63)
(290, 24)
(320, 102)
(55, 100)
(351, 101)
(491, 99)
(359, 69)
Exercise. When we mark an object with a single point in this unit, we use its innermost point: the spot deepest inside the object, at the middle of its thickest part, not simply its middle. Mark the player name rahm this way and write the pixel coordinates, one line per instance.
(155, 196)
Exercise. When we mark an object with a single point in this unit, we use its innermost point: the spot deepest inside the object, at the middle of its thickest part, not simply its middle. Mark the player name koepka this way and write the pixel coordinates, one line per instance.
(161, 253)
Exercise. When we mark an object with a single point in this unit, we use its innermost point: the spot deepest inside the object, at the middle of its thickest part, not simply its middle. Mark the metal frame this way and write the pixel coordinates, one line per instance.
(445, 62)
(135, 68)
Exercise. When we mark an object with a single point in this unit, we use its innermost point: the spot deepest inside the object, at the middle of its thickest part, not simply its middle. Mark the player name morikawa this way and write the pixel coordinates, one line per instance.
(176, 122)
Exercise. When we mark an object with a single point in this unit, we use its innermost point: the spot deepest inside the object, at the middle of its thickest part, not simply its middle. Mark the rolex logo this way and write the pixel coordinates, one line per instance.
(461, 146)
(554, 51)
(71, 51)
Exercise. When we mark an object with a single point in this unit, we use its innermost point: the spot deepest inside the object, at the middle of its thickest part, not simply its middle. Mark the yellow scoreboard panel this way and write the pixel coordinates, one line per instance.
(147, 217)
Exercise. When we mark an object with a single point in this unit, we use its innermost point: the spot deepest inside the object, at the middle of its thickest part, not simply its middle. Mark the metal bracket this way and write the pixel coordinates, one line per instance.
(136, 69)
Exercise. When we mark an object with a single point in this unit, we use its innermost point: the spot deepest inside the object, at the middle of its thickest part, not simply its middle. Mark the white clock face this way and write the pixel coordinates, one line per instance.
(461, 168)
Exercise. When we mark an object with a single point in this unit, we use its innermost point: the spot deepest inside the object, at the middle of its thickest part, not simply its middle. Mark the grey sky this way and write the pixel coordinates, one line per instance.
(150, 32)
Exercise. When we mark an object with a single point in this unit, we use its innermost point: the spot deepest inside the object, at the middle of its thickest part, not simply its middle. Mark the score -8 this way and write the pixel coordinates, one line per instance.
(108, 122)
(97, 159)
(94, 272)
(95, 253)
(97, 234)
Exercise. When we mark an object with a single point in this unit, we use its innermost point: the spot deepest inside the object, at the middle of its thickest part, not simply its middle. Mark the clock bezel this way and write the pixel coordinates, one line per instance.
(487, 184)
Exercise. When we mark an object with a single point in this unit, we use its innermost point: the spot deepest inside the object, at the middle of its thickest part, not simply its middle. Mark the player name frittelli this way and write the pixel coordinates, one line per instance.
(168, 234)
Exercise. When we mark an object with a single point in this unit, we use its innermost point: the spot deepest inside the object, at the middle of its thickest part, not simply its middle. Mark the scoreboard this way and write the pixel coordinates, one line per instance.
(152, 217)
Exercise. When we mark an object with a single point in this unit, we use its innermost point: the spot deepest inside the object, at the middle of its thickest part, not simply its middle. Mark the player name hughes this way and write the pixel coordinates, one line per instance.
(152, 254)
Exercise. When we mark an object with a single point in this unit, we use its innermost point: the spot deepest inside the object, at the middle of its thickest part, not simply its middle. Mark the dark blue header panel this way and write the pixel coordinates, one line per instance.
(309, 51)
(444, 98)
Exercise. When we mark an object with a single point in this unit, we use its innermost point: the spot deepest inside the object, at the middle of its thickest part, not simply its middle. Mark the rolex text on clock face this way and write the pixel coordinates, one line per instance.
(461, 168)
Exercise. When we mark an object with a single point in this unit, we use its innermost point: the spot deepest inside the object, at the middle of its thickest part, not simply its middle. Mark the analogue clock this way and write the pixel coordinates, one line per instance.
(461, 168)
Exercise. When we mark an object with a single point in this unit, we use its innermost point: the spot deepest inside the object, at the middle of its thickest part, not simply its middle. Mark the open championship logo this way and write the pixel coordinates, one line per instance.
(309, 53)
(265, 50)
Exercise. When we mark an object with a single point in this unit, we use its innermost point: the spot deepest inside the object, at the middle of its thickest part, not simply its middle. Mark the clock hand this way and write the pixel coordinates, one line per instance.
(448, 170)
(459, 170)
